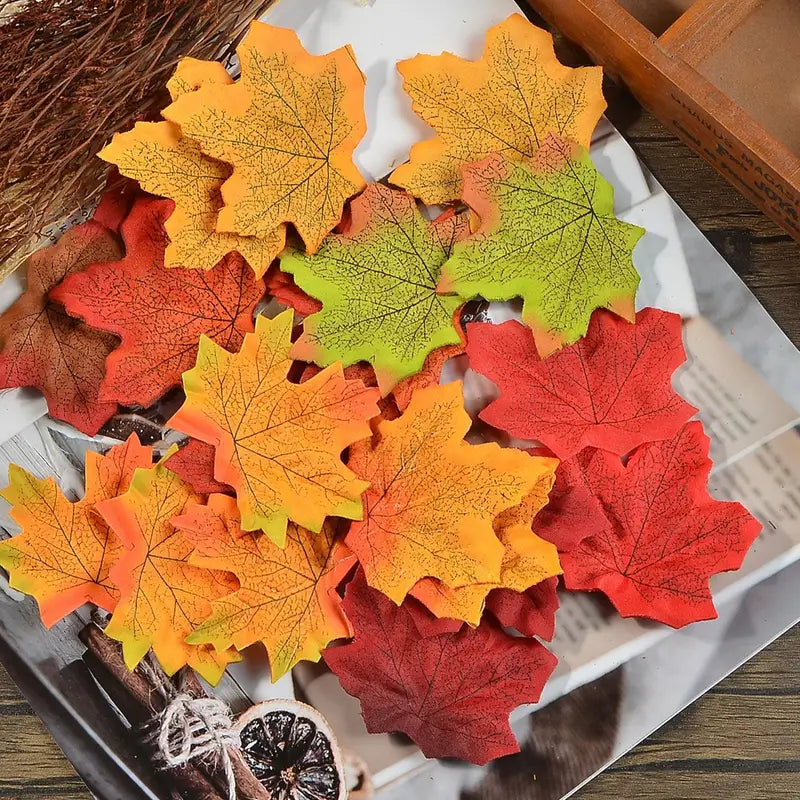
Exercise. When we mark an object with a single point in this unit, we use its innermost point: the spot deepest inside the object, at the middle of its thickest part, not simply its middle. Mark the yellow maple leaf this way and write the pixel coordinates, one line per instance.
(65, 551)
(432, 499)
(508, 102)
(528, 559)
(288, 128)
(279, 444)
(168, 164)
(163, 597)
(287, 598)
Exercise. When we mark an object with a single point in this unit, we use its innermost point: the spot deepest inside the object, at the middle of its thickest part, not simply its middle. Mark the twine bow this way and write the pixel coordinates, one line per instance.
(191, 728)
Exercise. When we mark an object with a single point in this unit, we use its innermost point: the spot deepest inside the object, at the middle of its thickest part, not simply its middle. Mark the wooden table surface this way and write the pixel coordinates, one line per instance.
(741, 741)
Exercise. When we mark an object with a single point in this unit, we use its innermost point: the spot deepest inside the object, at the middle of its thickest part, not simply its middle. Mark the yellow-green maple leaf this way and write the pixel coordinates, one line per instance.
(377, 283)
(547, 234)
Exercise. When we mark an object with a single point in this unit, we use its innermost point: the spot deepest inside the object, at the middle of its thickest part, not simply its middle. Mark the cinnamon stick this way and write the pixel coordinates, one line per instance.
(145, 701)
(248, 787)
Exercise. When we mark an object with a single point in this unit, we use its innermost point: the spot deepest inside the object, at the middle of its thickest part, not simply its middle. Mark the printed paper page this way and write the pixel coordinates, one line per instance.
(737, 406)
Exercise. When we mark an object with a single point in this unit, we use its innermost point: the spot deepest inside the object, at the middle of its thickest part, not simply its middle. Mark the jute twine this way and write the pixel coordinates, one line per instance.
(190, 728)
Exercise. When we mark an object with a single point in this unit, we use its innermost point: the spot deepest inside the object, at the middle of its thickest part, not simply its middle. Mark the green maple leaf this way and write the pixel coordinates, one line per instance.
(548, 235)
(377, 284)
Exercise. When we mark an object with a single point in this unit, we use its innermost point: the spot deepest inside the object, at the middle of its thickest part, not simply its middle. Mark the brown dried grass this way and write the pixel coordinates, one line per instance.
(72, 73)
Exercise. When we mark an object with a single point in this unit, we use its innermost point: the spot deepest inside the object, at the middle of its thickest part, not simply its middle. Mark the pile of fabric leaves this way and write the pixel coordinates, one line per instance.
(326, 501)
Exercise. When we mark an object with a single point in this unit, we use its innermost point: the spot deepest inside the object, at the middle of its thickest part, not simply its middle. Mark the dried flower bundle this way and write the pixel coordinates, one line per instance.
(76, 71)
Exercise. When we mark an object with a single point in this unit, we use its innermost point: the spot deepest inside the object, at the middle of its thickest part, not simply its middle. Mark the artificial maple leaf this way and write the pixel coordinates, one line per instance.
(278, 444)
(532, 612)
(288, 127)
(572, 513)
(432, 498)
(65, 550)
(192, 74)
(116, 202)
(163, 597)
(429, 375)
(667, 536)
(43, 347)
(194, 464)
(287, 597)
(363, 372)
(611, 390)
(159, 314)
(506, 102)
(426, 623)
(282, 287)
(548, 234)
(173, 166)
(450, 693)
(527, 559)
(377, 283)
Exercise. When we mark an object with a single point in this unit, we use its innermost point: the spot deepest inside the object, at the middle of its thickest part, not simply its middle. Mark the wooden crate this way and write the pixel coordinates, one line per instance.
(724, 75)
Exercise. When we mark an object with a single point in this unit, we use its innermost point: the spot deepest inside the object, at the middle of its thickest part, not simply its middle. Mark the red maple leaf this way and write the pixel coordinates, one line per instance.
(282, 287)
(572, 512)
(428, 624)
(667, 535)
(451, 693)
(194, 464)
(159, 313)
(532, 612)
(612, 389)
(116, 202)
(44, 347)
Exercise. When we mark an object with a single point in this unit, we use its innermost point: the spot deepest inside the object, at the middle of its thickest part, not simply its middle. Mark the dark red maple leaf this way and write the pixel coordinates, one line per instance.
(194, 464)
(612, 389)
(667, 535)
(532, 612)
(451, 693)
(159, 313)
(44, 347)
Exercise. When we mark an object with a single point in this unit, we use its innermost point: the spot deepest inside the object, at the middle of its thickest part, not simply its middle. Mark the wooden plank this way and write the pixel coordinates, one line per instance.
(704, 27)
(656, 16)
(765, 170)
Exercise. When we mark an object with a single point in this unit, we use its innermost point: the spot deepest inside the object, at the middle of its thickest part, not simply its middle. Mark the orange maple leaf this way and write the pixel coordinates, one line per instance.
(170, 165)
(288, 127)
(279, 444)
(527, 560)
(508, 102)
(192, 74)
(287, 598)
(163, 597)
(432, 499)
(65, 551)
